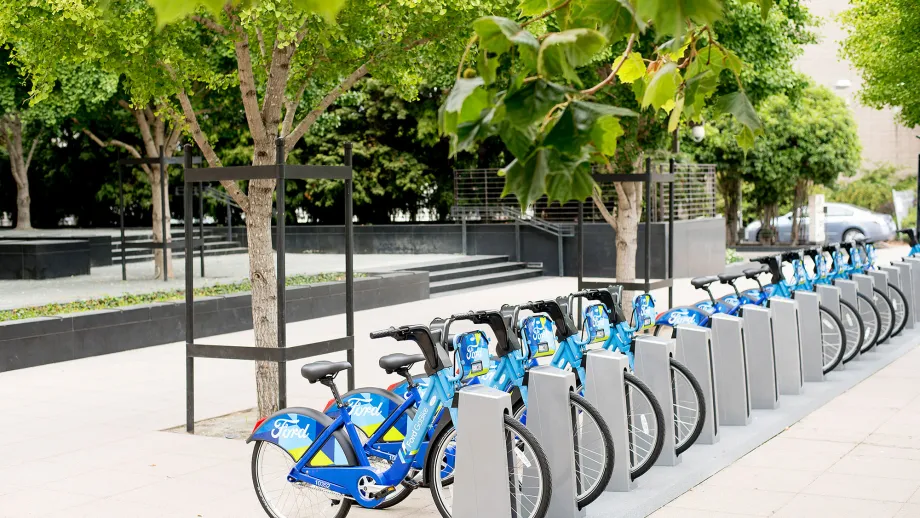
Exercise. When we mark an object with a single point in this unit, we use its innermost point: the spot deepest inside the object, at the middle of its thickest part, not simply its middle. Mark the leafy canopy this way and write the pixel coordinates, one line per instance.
(529, 85)
(882, 44)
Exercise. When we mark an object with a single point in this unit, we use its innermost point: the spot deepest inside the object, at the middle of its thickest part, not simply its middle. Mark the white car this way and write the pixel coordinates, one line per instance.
(842, 222)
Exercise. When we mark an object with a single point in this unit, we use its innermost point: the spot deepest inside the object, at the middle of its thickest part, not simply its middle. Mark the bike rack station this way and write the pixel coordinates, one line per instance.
(761, 354)
(653, 366)
(604, 390)
(899, 273)
(694, 350)
(282, 354)
(480, 488)
(789, 375)
(810, 335)
(914, 264)
(734, 398)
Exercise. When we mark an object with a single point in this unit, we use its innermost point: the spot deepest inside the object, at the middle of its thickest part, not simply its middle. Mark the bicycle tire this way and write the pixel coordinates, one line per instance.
(258, 451)
(697, 428)
(849, 316)
(838, 356)
(899, 298)
(511, 426)
(636, 471)
(871, 320)
(886, 311)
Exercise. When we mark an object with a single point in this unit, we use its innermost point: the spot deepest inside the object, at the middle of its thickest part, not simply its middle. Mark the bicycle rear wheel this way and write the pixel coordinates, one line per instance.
(528, 470)
(854, 328)
(886, 312)
(833, 339)
(689, 406)
(900, 305)
(282, 499)
(872, 321)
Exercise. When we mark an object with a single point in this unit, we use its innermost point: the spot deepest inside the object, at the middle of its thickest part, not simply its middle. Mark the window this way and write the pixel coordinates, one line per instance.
(838, 210)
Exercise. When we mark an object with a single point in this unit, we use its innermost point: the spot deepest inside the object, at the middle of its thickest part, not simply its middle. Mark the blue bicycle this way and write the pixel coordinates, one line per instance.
(912, 239)
(306, 464)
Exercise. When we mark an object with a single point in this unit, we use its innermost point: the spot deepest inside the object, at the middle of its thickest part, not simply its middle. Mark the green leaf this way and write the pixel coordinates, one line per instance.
(328, 9)
(465, 103)
(573, 129)
(497, 34)
(674, 119)
(613, 18)
(633, 68)
(532, 102)
(562, 52)
(571, 179)
(518, 139)
(526, 179)
(765, 6)
(606, 109)
(605, 133)
(535, 7)
(662, 87)
(486, 67)
(670, 16)
(745, 139)
(737, 104)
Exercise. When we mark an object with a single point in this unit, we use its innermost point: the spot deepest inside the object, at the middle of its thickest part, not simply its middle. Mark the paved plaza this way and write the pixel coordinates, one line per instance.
(84, 438)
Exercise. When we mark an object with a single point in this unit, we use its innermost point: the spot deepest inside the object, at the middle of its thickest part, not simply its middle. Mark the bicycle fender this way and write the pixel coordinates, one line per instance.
(370, 407)
(295, 429)
(682, 315)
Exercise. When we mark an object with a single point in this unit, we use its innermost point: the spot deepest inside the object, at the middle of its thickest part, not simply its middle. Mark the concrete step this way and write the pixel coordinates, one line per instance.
(180, 253)
(484, 280)
(472, 271)
(460, 262)
(209, 245)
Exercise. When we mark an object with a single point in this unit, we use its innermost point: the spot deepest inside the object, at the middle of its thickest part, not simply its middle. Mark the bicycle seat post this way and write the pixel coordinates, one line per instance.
(329, 381)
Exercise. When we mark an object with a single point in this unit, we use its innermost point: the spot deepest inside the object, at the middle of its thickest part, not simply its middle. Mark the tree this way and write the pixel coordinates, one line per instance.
(23, 127)
(280, 58)
(881, 43)
(810, 139)
(652, 64)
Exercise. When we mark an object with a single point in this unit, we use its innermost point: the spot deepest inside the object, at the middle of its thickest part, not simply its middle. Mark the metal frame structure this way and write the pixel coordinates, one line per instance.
(162, 161)
(282, 354)
(648, 178)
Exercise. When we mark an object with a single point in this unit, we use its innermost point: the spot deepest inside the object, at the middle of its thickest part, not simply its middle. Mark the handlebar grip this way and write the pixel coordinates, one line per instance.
(581, 293)
(383, 333)
(463, 316)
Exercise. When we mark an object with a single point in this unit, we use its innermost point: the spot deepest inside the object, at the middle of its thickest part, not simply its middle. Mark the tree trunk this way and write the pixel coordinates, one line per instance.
(157, 217)
(767, 228)
(629, 210)
(728, 187)
(801, 188)
(11, 130)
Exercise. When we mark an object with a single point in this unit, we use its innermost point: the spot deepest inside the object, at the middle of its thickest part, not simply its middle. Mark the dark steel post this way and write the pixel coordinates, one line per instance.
(163, 214)
(121, 221)
(463, 232)
(917, 230)
(648, 222)
(229, 222)
(580, 245)
(349, 268)
(672, 169)
(201, 225)
(517, 241)
(560, 253)
(281, 275)
(189, 300)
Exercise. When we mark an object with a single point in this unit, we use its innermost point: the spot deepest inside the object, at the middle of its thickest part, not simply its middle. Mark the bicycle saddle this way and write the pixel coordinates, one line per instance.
(396, 361)
(701, 282)
(726, 278)
(753, 273)
(318, 370)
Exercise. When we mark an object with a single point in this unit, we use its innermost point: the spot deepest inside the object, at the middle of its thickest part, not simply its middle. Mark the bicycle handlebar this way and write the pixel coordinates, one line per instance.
(383, 333)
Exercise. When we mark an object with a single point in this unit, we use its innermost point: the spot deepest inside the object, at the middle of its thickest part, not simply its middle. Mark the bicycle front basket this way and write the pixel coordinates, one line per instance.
(597, 323)
(539, 334)
(473, 349)
(644, 307)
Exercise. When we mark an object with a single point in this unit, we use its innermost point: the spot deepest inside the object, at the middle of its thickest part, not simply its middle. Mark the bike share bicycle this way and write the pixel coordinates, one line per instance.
(892, 299)
(306, 464)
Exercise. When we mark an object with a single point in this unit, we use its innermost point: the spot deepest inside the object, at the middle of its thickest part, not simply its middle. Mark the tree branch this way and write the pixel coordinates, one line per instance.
(248, 89)
(202, 141)
(613, 74)
(547, 13)
(290, 110)
(276, 86)
(265, 64)
(114, 142)
(323, 105)
(32, 149)
(211, 24)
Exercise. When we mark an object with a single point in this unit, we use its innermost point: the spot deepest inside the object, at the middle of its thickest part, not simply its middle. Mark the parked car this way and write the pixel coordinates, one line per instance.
(842, 222)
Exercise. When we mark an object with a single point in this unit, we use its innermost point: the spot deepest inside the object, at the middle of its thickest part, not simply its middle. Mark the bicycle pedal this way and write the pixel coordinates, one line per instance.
(382, 493)
(410, 484)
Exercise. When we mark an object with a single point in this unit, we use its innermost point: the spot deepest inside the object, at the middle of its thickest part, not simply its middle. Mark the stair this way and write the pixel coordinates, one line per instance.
(216, 243)
(472, 272)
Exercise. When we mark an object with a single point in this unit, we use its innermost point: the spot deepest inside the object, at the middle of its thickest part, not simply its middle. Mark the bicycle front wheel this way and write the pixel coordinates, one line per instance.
(900, 305)
(854, 328)
(886, 312)
(689, 406)
(871, 319)
(646, 426)
(529, 477)
(833, 339)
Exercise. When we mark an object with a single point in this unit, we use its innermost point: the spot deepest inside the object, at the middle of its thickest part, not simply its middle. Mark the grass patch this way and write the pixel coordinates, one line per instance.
(121, 301)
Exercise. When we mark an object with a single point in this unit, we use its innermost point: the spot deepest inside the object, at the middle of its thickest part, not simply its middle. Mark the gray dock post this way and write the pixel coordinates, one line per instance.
(848, 291)
(914, 263)
(788, 346)
(734, 397)
(481, 489)
(811, 334)
(880, 280)
(905, 283)
(653, 366)
(547, 406)
(694, 349)
(829, 297)
(865, 284)
(758, 343)
(604, 389)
